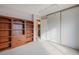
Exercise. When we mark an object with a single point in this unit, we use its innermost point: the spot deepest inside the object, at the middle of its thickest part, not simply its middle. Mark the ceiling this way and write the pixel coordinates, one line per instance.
(30, 8)
(37, 9)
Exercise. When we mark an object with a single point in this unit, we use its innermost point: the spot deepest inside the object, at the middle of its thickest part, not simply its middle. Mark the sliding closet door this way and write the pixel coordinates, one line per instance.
(70, 27)
(53, 27)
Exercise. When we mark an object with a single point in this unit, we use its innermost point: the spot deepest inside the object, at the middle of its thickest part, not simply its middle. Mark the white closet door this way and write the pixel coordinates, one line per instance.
(53, 27)
(70, 27)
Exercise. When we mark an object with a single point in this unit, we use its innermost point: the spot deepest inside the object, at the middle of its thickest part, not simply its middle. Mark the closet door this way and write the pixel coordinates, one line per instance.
(53, 27)
(70, 27)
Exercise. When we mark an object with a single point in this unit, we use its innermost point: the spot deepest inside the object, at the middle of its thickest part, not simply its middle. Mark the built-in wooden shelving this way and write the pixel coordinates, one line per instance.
(14, 32)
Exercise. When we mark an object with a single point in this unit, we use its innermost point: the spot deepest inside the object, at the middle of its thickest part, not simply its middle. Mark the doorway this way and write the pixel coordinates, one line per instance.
(38, 24)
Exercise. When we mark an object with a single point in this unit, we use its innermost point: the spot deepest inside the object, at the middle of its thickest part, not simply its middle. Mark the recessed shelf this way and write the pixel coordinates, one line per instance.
(5, 29)
(5, 42)
(29, 24)
(5, 22)
(17, 29)
(5, 36)
(29, 37)
(10, 29)
(19, 23)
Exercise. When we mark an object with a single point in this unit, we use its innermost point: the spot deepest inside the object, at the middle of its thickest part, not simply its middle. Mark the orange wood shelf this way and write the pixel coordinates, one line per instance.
(14, 32)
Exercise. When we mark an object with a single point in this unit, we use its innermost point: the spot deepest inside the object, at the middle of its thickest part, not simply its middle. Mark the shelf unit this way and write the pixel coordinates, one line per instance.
(18, 27)
(29, 30)
(14, 32)
(5, 33)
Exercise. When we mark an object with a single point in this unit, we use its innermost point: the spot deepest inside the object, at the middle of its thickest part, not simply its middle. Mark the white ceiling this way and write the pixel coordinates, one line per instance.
(38, 9)
(30, 8)
(56, 7)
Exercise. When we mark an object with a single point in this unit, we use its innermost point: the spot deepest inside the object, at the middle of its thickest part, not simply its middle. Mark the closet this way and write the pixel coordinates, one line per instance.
(63, 27)
(15, 32)
(53, 27)
(70, 27)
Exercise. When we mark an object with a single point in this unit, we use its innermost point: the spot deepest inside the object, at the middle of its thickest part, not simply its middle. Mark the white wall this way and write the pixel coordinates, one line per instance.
(35, 28)
(44, 29)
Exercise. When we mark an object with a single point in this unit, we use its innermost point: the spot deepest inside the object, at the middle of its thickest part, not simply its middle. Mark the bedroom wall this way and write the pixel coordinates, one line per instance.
(35, 28)
(44, 29)
(69, 25)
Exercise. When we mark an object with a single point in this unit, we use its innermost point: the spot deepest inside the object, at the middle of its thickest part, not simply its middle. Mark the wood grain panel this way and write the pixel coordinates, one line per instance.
(4, 45)
(4, 39)
(29, 39)
(4, 33)
(18, 40)
(3, 19)
(4, 26)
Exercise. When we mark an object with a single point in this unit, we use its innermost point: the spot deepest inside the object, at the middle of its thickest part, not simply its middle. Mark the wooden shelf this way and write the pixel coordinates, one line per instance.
(15, 30)
(19, 23)
(30, 37)
(5, 36)
(10, 29)
(30, 24)
(5, 29)
(5, 22)
(29, 30)
(29, 33)
(4, 42)
(18, 29)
